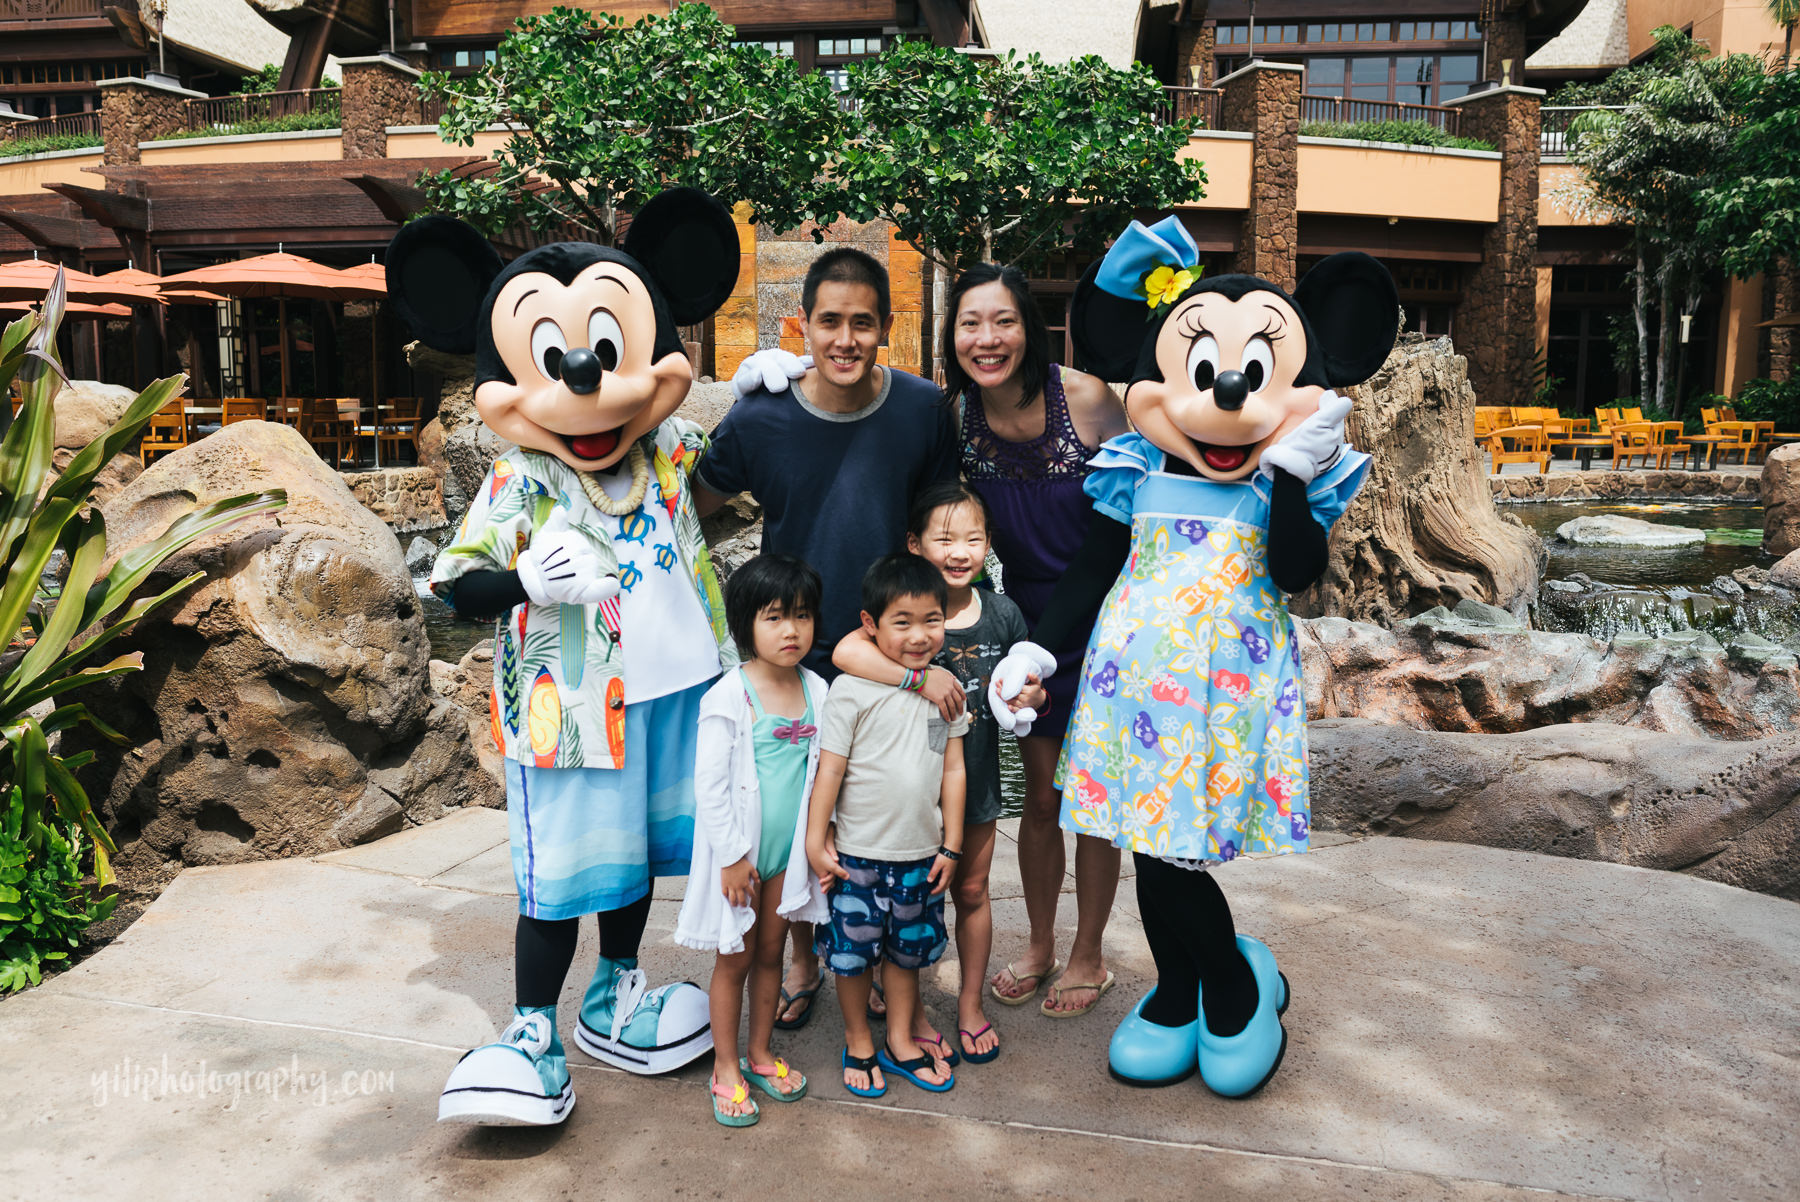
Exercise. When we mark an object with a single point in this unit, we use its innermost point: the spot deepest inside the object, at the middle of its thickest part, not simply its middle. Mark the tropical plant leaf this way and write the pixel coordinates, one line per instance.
(88, 462)
(137, 609)
(130, 569)
(66, 618)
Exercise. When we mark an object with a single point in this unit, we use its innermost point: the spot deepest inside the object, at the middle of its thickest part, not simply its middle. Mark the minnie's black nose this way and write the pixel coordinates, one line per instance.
(1230, 390)
(581, 370)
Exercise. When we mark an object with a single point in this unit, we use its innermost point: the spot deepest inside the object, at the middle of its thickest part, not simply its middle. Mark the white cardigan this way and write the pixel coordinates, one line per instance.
(728, 820)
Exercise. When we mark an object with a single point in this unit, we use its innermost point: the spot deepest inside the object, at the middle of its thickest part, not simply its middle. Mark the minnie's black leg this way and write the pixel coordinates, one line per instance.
(1194, 942)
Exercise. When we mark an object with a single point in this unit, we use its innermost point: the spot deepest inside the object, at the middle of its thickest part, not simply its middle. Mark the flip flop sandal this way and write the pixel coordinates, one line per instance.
(875, 990)
(947, 1054)
(760, 1076)
(972, 1036)
(866, 1064)
(788, 999)
(1037, 980)
(1099, 987)
(910, 1069)
(737, 1096)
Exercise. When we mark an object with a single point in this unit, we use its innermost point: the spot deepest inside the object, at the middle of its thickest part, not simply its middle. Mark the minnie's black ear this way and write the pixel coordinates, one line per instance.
(687, 242)
(438, 273)
(1354, 311)
(1108, 331)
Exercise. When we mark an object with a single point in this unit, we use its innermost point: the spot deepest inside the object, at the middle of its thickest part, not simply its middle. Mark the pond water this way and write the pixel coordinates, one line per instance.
(1733, 540)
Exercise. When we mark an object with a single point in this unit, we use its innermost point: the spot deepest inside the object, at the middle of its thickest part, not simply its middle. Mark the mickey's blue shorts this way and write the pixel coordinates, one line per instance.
(884, 911)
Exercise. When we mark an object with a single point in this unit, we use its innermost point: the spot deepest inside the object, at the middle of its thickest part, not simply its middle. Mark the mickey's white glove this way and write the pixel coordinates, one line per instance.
(1025, 659)
(560, 568)
(769, 370)
(1314, 445)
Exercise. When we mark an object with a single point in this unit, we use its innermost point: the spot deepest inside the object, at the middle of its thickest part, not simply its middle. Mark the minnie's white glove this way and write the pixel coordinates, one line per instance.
(1025, 659)
(1311, 447)
(560, 568)
(769, 370)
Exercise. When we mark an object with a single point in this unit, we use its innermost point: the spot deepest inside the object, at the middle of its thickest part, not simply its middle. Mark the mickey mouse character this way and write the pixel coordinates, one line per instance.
(584, 544)
(1188, 741)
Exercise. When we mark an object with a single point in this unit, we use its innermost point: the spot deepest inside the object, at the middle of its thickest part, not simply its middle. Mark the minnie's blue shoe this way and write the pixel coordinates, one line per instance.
(1144, 1053)
(1237, 1066)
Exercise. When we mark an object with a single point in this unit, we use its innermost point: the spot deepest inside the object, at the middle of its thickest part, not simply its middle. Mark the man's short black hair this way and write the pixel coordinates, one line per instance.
(847, 265)
(901, 574)
(771, 579)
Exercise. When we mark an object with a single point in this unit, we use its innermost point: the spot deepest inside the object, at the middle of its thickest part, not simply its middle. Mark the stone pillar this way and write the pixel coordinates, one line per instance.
(135, 110)
(1497, 322)
(734, 325)
(1505, 37)
(378, 92)
(1195, 43)
(1264, 99)
(1784, 297)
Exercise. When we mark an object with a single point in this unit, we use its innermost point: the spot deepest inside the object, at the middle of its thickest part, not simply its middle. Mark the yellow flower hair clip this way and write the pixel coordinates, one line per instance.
(1164, 286)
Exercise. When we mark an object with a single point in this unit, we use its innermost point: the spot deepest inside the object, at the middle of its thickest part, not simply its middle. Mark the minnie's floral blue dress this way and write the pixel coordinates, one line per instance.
(1188, 740)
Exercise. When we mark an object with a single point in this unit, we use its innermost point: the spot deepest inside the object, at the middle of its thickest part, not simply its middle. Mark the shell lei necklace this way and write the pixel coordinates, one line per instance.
(640, 485)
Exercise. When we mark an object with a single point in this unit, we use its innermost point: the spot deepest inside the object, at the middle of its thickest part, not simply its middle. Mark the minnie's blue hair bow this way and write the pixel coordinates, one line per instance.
(1155, 264)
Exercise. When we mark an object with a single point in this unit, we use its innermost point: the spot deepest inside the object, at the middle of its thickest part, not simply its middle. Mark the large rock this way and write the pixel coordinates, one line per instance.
(455, 441)
(1478, 671)
(469, 686)
(1781, 500)
(1616, 530)
(1424, 530)
(86, 409)
(1724, 811)
(284, 707)
(1786, 574)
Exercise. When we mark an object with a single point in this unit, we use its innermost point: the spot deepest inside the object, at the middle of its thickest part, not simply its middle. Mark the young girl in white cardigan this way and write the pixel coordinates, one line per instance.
(759, 751)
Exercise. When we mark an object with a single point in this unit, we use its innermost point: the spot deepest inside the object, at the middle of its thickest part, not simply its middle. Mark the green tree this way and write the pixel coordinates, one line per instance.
(1786, 14)
(1753, 211)
(604, 115)
(1007, 159)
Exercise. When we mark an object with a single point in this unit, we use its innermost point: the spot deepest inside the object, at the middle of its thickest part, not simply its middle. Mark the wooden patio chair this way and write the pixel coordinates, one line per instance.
(1634, 413)
(321, 426)
(1632, 440)
(1669, 439)
(400, 424)
(1604, 419)
(1520, 444)
(1489, 418)
(243, 409)
(167, 430)
(1744, 441)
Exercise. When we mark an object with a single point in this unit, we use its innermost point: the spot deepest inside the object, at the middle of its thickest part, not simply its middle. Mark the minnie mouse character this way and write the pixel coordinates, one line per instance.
(584, 543)
(1188, 741)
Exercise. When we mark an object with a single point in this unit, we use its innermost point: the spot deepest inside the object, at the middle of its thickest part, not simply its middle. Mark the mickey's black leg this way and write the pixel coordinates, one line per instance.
(542, 952)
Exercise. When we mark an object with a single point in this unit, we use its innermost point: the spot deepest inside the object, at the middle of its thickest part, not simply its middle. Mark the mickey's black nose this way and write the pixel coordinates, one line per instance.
(581, 370)
(1230, 390)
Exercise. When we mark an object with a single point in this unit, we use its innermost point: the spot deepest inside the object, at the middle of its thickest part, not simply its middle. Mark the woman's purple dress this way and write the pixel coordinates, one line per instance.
(1040, 519)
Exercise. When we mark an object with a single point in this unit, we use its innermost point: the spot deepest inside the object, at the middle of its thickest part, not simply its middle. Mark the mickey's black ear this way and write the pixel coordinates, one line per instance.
(1354, 311)
(438, 273)
(1108, 331)
(686, 241)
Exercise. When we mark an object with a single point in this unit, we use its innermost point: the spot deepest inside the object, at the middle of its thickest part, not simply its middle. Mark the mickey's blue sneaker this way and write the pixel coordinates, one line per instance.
(522, 1080)
(646, 1031)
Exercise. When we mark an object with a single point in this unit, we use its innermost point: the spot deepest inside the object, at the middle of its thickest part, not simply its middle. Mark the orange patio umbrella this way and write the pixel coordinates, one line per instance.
(29, 280)
(70, 309)
(144, 279)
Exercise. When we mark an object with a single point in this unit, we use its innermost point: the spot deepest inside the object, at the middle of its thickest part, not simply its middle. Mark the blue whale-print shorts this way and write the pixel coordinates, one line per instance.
(884, 911)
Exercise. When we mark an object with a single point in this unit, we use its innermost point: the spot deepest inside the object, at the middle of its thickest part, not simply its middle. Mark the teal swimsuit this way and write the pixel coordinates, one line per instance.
(782, 746)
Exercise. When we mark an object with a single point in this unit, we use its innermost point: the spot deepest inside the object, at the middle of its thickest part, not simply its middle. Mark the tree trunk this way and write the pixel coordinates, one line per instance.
(1424, 530)
(1665, 341)
(1640, 313)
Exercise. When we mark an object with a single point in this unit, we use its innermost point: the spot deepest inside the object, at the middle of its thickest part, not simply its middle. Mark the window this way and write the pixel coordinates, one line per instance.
(848, 47)
(1457, 73)
(1413, 75)
(1369, 79)
(1325, 75)
(466, 58)
(1233, 35)
(781, 49)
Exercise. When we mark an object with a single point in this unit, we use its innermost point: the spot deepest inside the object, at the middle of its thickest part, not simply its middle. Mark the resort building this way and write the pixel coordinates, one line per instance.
(161, 171)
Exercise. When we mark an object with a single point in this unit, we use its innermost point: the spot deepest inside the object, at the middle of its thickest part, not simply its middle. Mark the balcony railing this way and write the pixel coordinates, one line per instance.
(1179, 104)
(223, 112)
(1355, 112)
(1554, 140)
(71, 123)
(50, 10)
(432, 111)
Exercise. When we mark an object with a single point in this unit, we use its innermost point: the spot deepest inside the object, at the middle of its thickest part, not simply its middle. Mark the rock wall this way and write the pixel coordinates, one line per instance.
(1423, 531)
(1603, 485)
(408, 499)
(135, 111)
(284, 706)
(377, 94)
(1500, 297)
(1729, 812)
(1781, 500)
(1481, 671)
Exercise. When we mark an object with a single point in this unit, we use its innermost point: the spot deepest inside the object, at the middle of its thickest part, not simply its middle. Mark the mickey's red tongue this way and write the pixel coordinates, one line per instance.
(594, 446)
(1225, 459)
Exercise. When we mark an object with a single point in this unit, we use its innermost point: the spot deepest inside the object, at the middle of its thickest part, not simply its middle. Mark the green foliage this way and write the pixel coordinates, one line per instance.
(51, 639)
(1765, 400)
(1753, 208)
(325, 119)
(268, 79)
(607, 115)
(45, 901)
(1007, 159)
(1672, 51)
(1405, 133)
(44, 143)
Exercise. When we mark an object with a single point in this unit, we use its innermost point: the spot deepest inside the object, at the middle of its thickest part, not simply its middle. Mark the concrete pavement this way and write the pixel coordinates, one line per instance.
(1467, 1023)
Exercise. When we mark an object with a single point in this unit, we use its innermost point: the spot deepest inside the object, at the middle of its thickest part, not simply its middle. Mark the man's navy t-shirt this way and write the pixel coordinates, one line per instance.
(834, 487)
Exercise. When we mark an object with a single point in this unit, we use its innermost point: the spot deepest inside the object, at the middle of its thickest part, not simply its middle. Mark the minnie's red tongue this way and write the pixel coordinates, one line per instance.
(594, 446)
(1225, 459)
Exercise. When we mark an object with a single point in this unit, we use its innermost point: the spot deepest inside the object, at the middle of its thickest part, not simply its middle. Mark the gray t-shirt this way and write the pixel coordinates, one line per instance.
(894, 743)
(970, 654)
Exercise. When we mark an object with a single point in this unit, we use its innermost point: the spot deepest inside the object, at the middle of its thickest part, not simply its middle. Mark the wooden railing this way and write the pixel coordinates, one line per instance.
(217, 112)
(1179, 104)
(1354, 112)
(1554, 140)
(69, 123)
(432, 111)
(49, 10)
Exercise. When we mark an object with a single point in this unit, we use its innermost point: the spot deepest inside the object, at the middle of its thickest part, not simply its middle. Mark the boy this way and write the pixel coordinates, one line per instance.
(891, 775)
(834, 460)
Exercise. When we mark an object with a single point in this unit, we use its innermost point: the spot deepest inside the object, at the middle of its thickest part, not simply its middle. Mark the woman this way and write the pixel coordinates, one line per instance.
(1029, 426)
